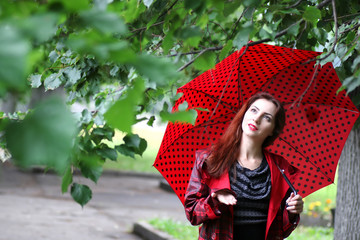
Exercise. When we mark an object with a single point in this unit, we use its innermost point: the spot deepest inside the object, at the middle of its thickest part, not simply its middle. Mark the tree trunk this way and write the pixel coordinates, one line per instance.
(347, 215)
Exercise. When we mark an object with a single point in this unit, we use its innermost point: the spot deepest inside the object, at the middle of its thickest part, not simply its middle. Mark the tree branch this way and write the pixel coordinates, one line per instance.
(350, 29)
(344, 16)
(158, 23)
(167, 10)
(201, 53)
(322, 4)
(336, 35)
(294, 5)
(236, 23)
(195, 52)
(144, 28)
(281, 33)
(217, 24)
(301, 97)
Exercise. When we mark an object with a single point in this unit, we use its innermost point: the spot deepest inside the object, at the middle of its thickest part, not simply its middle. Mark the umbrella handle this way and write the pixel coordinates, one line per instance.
(286, 179)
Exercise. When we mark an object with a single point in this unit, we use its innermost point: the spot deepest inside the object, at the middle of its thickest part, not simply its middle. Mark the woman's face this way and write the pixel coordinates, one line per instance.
(259, 120)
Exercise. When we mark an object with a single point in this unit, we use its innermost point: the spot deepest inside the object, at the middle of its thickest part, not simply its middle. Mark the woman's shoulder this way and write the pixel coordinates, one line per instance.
(201, 155)
(280, 161)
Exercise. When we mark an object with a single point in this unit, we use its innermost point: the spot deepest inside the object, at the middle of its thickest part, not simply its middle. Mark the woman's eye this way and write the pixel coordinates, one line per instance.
(267, 118)
(253, 110)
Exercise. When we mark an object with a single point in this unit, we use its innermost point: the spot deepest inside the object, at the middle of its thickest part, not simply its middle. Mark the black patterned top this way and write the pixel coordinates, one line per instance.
(252, 188)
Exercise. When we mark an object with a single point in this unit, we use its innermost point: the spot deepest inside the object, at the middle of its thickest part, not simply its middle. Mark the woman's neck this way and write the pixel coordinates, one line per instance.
(251, 154)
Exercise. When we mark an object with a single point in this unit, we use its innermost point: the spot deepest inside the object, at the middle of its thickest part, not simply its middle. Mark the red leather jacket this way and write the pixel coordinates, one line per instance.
(217, 219)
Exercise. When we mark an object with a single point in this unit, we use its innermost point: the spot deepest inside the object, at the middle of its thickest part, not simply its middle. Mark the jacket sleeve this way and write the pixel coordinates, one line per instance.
(199, 205)
(288, 224)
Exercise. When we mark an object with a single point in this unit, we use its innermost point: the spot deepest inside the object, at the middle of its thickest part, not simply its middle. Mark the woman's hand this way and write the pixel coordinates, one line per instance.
(294, 204)
(224, 197)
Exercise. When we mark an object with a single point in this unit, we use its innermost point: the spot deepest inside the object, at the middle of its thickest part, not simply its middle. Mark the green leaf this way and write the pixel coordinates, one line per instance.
(330, 58)
(194, 5)
(183, 106)
(342, 52)
(226, 49)
(243, 36)
(192, 42)
(30, 26)
(188, 116)
(105, 48)
(67, 179)
(82, 194)
(231, 7)
(103, 21)
(189, 32)
(312, 15)
(252, 3)
(202, 109)
(159, 70)
(151, 121)
(137, 143)
(205, 61)
(52, 82)
(90, 167)
(107, 153)
(133, 144)
(267, 32)
(168, 42)
(356, 62)
(350, 37)
(350, 83)
(13, 57)
(121, 115)
(53, 56)
(125, 150)
(73, 6)
(294, 30)
(73, 75)
(320, 34)
(44, 138)
(106, 133)
(85, 117)
(151, 22)
(35, 80)
(132, 10)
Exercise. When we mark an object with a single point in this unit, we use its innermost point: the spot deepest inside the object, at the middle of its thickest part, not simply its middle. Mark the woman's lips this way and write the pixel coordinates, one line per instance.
(253, 127)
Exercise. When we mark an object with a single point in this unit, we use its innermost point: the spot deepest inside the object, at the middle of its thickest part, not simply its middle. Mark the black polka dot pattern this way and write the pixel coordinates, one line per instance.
(317, 125)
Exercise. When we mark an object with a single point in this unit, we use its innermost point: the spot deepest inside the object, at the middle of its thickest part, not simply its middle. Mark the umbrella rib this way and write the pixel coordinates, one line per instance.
(240, 92)
(307, 159)
(219, 101)
(325, 105)
(227, 82)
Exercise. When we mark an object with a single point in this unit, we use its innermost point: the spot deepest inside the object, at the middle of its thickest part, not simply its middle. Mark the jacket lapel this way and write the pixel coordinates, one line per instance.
(279, 187)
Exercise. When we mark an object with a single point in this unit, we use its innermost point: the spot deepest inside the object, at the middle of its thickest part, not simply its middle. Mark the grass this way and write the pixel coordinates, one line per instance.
(153, 136)
(312, 233)
(176, 229)
(183, 231)
(320, 202)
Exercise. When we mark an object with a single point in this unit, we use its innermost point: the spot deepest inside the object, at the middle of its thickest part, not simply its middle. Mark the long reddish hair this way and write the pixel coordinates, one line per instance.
(225, 151)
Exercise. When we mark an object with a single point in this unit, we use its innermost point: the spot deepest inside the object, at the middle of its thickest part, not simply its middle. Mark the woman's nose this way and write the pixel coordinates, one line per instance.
(257, 118)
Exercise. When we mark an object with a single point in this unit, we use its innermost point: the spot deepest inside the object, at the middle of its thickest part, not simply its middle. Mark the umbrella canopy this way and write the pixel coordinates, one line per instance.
(318, 119)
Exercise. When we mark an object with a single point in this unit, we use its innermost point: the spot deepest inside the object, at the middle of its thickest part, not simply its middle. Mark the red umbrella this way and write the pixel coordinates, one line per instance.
(318, 118)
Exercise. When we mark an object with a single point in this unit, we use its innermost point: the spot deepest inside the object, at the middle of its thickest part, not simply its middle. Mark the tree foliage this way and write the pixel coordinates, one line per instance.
(122, 61)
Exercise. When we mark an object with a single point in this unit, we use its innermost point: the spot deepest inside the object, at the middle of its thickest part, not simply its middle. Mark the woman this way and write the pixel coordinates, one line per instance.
(236, 190)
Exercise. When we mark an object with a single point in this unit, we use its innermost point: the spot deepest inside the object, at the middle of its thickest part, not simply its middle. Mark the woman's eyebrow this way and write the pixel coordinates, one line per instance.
(265, 112)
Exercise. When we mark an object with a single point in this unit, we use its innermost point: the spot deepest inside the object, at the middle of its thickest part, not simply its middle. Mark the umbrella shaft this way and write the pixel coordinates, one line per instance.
(287, 180)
